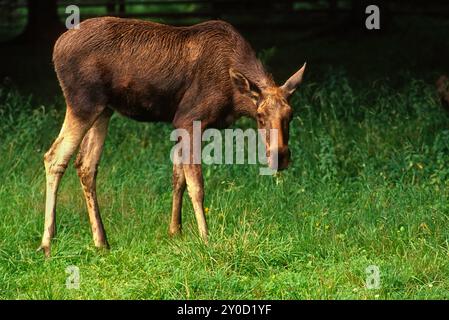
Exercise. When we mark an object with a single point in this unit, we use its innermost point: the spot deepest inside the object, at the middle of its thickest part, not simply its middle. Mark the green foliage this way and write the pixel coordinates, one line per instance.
(368, 186)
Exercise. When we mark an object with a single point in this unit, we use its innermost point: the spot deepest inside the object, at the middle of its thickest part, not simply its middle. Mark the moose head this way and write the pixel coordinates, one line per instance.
(273, 112)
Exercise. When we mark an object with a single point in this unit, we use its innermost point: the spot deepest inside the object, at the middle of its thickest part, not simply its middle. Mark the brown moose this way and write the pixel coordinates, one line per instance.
(153, 72)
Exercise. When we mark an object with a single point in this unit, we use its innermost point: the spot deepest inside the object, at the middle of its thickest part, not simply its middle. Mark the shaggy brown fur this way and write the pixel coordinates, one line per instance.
(154, 72)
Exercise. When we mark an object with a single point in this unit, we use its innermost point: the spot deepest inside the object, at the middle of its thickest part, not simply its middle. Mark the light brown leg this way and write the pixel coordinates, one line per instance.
(56, 160)
(194, 179)
(87, 166)
(179, 186)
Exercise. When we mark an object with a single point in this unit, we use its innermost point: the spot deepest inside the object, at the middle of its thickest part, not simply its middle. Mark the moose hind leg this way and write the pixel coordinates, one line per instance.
(179, 186)
(56, 160)
(87, 167)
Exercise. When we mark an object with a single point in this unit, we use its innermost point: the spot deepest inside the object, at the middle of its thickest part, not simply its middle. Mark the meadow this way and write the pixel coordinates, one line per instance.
(368, 186)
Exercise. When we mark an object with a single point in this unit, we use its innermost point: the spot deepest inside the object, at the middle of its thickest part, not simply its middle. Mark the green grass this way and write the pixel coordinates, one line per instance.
(368, 186)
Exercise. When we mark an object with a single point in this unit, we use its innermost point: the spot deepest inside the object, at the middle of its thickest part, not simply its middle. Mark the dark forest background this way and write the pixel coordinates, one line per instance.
(329, 34)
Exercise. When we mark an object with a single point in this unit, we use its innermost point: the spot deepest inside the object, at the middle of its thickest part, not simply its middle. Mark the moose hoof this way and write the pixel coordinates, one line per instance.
(174, 231)
(45, 249)
(204, 237)
(103, 246)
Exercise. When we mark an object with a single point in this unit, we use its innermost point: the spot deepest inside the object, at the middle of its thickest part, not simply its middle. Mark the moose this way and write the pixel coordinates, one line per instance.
(153, 72)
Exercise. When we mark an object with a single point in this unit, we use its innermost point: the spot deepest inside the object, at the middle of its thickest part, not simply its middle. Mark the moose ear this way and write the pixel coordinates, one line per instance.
(293, 82)
(243, 85)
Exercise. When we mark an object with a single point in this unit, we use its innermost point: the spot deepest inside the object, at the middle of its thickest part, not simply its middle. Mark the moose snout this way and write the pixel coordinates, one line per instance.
(283, 158)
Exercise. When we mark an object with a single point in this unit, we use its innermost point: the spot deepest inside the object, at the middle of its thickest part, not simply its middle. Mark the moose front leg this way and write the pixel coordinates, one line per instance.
(179, 186)
(194, 178)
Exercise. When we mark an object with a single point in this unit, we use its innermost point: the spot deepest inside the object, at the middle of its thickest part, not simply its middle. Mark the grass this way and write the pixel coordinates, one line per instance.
(368, 186)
